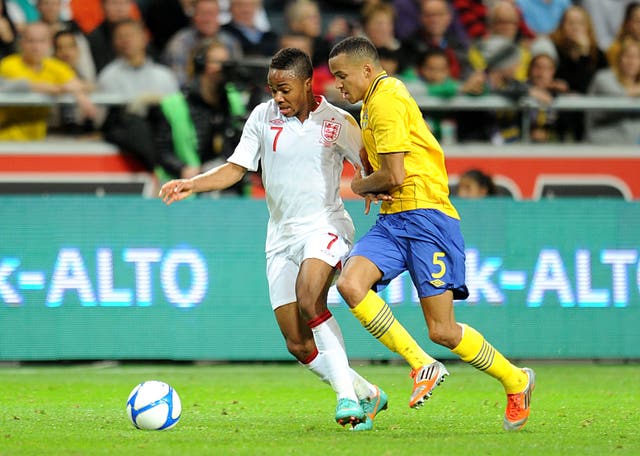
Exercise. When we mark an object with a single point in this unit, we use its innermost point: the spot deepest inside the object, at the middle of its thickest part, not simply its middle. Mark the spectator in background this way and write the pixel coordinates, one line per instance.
(579, 58)
(437, 32)
(8, 32)
(254, 42)
(303, 17)
(473, 18)
(503, 22)
(543, 87)
(261, 21)
(630, 28)
(621, 80)
(475, 184)
(500, 125)
(606, 16)
(204, 27)
(504, 60)
(68, 118)
(50, 14)
(89, 14)
(101, 38)
(434, 80)
(67, 49)
(143, 83)
(45, 75)
(542, 16)
(164, 18)
(377, 25)
(322, 80)
(199, 130)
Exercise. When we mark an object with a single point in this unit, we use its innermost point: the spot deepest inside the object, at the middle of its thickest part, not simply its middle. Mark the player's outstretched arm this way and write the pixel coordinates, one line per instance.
(219, 178)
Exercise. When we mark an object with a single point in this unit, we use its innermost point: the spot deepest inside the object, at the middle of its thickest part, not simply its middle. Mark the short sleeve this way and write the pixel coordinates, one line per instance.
(247, 152)
(351, 140)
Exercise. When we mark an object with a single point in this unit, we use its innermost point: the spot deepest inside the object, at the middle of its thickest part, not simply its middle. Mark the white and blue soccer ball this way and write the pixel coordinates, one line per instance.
(154, 405)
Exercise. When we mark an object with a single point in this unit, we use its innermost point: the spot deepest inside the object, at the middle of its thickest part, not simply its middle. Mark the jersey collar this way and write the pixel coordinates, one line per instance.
(374, 85)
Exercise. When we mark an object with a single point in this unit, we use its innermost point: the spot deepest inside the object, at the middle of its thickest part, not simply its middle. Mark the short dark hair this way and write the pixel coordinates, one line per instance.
(432, 52)
(356, 46)
(63, 32)
(293, 59)
(482, 179)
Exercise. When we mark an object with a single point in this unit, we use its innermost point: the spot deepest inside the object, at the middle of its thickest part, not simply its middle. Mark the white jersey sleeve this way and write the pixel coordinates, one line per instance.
(350, 142)
(248, 151)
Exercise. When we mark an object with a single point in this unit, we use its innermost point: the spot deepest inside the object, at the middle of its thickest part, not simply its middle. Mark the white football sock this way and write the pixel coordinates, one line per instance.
(332, 360)
(362, 387)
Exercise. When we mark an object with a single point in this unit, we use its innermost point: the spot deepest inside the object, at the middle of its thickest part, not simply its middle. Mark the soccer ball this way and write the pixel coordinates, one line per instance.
(154, 405)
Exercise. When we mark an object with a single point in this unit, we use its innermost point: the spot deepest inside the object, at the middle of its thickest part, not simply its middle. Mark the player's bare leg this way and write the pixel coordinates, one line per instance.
(312, 286)
(472, 348)
(296, 333)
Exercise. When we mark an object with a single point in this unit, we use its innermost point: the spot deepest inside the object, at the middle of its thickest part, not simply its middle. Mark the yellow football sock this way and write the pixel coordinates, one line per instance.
(377, 318)
(475, 350)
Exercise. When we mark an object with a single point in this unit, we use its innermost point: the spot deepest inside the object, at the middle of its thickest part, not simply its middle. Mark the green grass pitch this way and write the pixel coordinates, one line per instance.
(281, 409)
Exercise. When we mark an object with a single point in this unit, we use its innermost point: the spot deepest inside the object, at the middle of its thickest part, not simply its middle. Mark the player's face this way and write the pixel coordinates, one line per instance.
(351, 77)
(291, 93)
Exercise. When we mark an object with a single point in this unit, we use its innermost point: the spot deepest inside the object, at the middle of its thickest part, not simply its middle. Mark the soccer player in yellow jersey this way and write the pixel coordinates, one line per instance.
(417, 230)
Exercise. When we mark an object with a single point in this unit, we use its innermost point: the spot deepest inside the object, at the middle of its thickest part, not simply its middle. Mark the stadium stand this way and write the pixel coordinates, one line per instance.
(525, 170)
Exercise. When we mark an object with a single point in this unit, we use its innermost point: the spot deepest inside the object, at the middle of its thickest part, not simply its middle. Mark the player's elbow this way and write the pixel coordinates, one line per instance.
(396, 177)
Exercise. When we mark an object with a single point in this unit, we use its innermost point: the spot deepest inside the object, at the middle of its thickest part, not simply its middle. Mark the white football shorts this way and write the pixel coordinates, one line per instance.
(283, 266)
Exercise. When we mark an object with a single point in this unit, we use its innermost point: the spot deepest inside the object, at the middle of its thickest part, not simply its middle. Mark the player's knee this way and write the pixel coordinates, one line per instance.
(443, 335)
(349, 289)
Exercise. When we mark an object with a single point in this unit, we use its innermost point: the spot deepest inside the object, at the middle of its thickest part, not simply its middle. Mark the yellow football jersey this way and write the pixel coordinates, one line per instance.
(391, 121)
(29, 123)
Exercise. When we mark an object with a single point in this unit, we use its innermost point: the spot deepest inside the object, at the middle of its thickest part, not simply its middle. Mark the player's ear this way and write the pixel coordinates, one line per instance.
(367, 70)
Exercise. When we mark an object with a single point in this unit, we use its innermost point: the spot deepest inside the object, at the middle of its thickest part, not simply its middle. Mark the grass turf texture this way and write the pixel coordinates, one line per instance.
(251, 409)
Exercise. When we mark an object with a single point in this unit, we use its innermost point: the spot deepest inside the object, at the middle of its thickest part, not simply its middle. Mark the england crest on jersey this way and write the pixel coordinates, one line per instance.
(330, 130)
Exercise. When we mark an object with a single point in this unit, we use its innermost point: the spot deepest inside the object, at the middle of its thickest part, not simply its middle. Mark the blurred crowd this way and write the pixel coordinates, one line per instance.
(190, 70)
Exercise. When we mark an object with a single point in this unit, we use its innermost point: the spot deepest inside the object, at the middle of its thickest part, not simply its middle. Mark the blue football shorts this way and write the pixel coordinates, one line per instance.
(425, 242)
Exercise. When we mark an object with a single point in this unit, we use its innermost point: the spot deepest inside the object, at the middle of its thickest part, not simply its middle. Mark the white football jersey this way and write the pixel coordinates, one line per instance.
(301, 168)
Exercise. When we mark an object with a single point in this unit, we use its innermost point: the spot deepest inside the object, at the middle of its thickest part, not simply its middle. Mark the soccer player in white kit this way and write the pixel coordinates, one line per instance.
(301, 141)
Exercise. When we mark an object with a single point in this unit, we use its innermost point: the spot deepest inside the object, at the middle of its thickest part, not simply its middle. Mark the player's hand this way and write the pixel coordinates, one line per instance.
(176, 190)
(375, 198)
